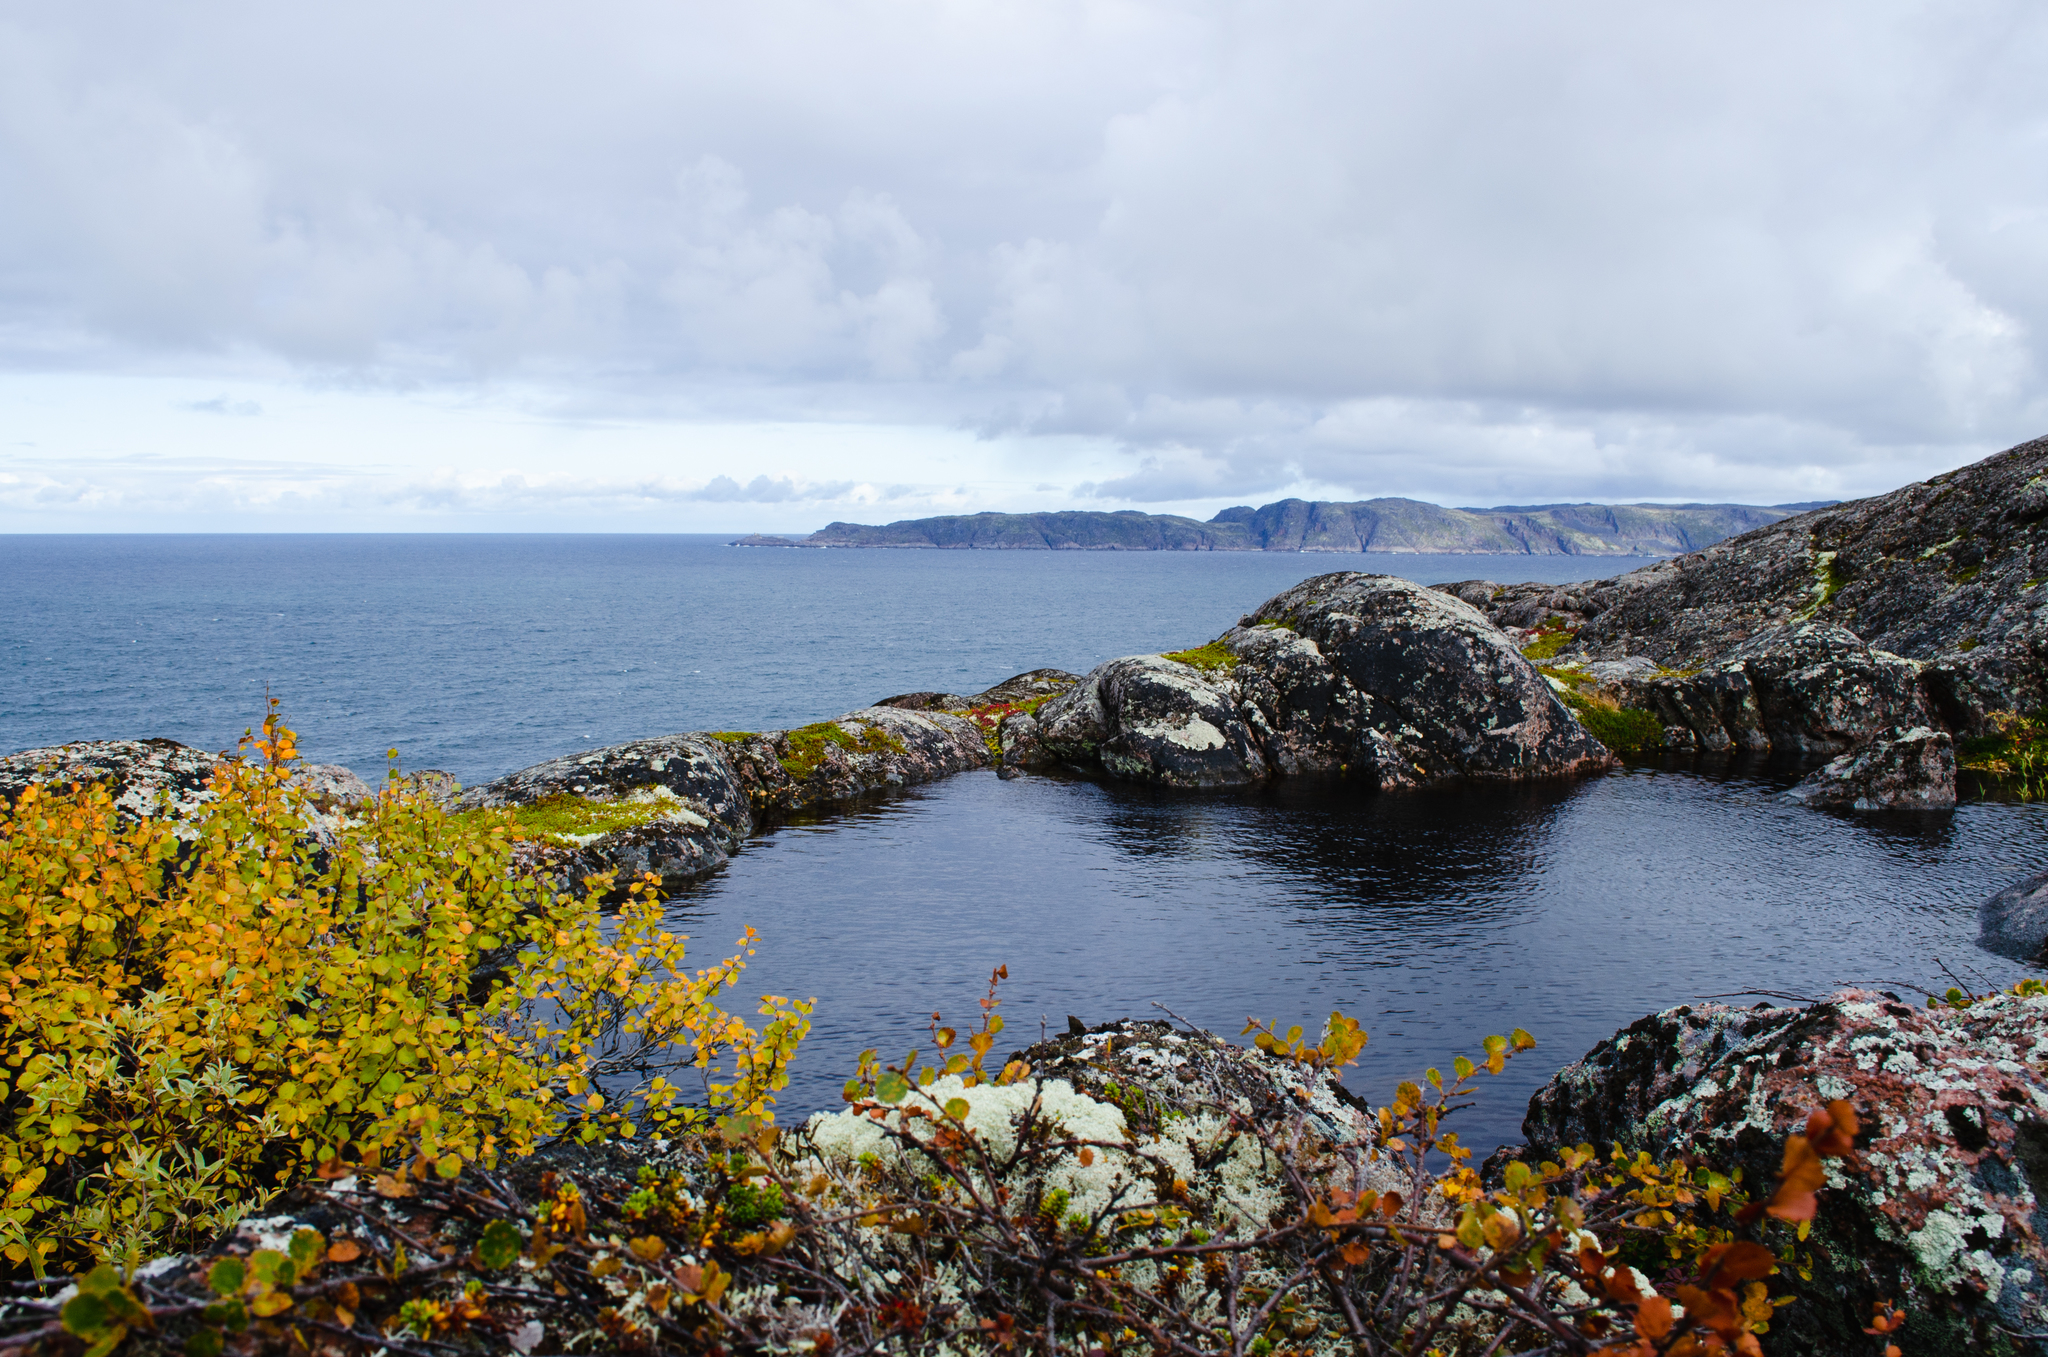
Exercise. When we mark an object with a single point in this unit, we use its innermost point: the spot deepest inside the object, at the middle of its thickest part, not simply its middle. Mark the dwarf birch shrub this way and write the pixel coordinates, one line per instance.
(196, 1014)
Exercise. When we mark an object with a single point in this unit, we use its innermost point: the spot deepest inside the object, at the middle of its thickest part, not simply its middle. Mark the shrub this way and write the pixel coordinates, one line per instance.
(198, 1013)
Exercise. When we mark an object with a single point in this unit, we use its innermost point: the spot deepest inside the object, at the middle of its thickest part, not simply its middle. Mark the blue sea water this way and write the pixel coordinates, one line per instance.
(1435, 918)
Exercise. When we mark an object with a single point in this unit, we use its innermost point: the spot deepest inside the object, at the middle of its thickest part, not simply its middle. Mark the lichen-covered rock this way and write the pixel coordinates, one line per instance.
(1821, 690)
(1947, 1220)
(1434, 689)
(702, 808)
(143, 776)
(2014, 922)
(1368, 676)
(1912, 770)
(1150, 719)
(695, 797)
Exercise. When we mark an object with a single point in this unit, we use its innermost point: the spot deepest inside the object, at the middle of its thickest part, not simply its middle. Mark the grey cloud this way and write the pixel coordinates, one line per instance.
(1604, 250)
(767, 490)
(221, 405)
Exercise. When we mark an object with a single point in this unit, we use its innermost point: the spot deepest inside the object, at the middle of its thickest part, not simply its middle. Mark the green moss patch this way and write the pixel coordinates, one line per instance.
(1210, 659)
(733, 736)
(1553, 634)
(1622, 729)
(566, 820)
(807, 745)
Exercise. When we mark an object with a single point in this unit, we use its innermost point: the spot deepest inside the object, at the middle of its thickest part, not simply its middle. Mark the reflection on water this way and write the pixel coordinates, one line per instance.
(1436, 918)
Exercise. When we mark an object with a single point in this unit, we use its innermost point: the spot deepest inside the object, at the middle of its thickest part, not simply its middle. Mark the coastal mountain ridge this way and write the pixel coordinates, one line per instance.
(1401, 526)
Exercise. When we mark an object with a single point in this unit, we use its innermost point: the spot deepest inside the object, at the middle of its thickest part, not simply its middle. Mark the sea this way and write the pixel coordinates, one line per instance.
(1435, 918)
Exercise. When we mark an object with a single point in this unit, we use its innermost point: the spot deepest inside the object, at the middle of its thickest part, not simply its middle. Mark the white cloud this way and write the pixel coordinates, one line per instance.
(1152, 251)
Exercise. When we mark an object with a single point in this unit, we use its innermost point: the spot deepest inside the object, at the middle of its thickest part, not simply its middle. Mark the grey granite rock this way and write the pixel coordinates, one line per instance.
(2014, 922)
(1146, 718)
(1911, 770)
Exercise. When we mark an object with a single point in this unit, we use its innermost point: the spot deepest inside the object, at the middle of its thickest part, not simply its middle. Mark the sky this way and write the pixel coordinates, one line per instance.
(676, 266)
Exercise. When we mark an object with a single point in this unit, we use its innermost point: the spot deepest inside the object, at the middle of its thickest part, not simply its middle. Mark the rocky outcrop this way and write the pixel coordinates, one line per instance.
(1843, 628)
(1368, 676)
(1945, 572)
(686, 801)
(1914, 770)
(1947, 1219)
(2014, 922)
(143, 776)
(163, 777)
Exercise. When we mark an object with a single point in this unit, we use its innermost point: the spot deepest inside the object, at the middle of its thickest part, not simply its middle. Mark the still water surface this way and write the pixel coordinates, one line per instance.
(1435, 918)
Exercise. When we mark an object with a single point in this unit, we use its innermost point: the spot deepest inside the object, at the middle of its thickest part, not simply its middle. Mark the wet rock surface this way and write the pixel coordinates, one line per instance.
(1946, 1219)
(1367, 676)
(1914, 770)
(2014, 922)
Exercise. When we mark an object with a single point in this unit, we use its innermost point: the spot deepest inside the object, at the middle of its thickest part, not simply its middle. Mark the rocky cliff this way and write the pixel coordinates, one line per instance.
(1382, 525)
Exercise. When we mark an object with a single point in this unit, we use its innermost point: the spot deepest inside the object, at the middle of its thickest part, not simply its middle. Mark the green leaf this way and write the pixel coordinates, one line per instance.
(307, 1249)
(1463, 1067)
(231, 1315)
(1523, 1041)
(271, 1268)
(84, 1315)
(203, 1343)
(226, 1276)
(500, 1246)
(100, 1280)
(957, 1109)
(891, 1087)
(109, 1340)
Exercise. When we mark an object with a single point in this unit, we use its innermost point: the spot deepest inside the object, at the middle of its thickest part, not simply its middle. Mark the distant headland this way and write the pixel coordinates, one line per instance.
(1403, 526)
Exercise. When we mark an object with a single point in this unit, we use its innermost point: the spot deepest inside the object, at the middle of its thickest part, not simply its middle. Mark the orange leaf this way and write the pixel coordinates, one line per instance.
(1799, 1178)
(1737, 1262)
(344, 1251)
(1833, 1132)
(1653, 1317)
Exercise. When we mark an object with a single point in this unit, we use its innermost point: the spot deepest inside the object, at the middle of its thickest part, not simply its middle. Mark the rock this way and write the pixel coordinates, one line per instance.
(1946, 1221)
(2014, 922)
(695, 797)
(872, 750)
(1150, 719)
(1437, 690)
(927, 702)
(700, 808)
(1820, 689)
(330, 784)
(143, 776)
(1362, 675)
(1913, 770)
(1021, 741)
(1033, 685)
(1943, 571)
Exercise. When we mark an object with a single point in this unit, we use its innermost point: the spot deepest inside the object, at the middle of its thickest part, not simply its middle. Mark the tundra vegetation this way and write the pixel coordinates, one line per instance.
(468, 1089)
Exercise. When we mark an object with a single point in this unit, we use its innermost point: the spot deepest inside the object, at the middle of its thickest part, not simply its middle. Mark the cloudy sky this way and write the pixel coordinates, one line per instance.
(679, 266)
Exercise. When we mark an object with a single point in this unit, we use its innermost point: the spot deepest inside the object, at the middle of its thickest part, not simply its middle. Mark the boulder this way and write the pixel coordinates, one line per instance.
(1911, 770)
(1150, 719)
(1946, 1218)
(2014, 922)
(1368, 676)
(1429, 688)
